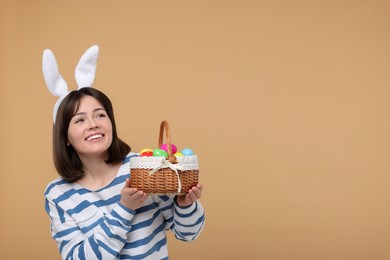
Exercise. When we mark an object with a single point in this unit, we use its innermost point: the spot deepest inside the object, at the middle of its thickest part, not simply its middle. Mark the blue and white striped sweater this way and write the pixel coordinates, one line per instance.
(94, 225)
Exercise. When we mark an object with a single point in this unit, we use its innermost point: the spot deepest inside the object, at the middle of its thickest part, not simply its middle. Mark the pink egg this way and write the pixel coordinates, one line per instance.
(165, 148)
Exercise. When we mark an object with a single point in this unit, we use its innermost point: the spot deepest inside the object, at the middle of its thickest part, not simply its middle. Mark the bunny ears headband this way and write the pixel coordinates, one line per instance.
(84, 73)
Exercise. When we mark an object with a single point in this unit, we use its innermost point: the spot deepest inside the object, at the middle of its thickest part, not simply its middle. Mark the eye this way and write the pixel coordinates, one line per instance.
(79, 120)
(101, 115)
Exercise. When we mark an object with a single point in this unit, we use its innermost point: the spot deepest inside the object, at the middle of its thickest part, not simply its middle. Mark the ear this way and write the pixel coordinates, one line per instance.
(86, 67)
(54, 81)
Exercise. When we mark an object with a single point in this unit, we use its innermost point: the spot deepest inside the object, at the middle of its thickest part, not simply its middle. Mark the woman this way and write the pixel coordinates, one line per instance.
(94, 213)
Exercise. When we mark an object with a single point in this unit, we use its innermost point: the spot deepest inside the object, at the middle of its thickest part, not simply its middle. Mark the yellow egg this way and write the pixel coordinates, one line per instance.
(178, 154)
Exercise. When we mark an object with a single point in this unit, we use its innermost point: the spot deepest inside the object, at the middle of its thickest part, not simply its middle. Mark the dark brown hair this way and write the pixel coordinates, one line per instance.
(66, 159)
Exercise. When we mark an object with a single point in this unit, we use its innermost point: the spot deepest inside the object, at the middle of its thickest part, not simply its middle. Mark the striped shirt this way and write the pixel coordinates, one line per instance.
(94, 225)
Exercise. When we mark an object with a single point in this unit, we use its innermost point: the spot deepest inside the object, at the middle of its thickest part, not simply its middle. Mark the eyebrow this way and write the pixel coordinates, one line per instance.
(95, 110)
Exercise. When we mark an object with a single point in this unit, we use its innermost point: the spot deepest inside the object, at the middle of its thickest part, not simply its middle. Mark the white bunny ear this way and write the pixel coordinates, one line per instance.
(86, 67)
(54, 81)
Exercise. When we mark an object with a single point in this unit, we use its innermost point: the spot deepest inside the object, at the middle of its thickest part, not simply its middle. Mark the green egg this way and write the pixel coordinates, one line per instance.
(160, 152)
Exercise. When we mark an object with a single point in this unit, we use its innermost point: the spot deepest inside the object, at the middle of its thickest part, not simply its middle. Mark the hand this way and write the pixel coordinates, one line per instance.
(193, 195)
(132, 198)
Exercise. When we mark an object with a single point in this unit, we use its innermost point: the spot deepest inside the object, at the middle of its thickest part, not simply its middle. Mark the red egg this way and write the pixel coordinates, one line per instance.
(147, 154)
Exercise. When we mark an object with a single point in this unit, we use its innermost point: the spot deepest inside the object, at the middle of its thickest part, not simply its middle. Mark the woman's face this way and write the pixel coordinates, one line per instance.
(90, 129)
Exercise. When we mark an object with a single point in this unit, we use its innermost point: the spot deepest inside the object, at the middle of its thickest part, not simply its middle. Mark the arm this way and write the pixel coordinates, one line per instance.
(82, 231)
(184, 215)
(102, 236)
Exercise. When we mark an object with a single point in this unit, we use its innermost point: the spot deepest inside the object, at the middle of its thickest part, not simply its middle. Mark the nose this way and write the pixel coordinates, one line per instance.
(93, 124)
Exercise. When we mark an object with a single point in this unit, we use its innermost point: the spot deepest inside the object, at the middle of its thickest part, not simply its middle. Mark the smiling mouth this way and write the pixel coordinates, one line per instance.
(94, 137)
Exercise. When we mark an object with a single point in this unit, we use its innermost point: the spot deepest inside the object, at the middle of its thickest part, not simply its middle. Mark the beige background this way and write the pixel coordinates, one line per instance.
(287, 104)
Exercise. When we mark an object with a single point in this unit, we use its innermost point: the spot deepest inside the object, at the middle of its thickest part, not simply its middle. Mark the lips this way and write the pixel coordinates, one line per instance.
(94, 137)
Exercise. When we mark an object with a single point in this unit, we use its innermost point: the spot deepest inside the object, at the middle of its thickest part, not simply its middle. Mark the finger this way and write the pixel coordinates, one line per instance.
(142, 198)
(187, 198)
(127, 182)
(138, 195)
(192, 196)
(132, 191)
(200, 186)
(198, 193)
(197, 190)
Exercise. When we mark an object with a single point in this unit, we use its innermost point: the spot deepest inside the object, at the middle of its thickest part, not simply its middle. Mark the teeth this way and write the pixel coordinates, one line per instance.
(94, 137)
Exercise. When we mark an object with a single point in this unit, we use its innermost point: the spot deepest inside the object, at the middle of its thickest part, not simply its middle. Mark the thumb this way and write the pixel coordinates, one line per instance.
(127, 183)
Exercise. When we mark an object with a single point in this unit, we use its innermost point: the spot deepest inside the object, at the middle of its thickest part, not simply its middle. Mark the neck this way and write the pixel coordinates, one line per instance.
(97, 173)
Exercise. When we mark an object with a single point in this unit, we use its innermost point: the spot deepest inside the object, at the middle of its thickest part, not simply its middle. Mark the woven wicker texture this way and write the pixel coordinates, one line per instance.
(164, 180)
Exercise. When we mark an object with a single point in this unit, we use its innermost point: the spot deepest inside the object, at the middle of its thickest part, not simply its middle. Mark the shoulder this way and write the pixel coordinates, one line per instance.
(124, 169)
(57, 187)
(127, 158)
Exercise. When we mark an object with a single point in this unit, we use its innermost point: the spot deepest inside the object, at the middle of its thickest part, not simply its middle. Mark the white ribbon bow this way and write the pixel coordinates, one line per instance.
(166, 164)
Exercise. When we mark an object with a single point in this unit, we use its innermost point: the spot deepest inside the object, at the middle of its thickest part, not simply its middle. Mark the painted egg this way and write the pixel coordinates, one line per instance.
(159, 152)
(187, 152)
(165, 148)
(147, 154)
(146, 150)
(178, 154)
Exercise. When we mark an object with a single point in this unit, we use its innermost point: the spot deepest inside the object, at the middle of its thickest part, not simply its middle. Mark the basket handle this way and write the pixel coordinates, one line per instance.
(165, 126)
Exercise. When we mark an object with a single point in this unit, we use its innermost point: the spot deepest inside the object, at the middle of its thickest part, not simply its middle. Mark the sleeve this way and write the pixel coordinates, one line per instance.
(185, 222)
(96, 237)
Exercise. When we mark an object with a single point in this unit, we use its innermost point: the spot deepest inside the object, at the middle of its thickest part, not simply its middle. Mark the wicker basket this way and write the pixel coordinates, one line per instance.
(159, 175)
